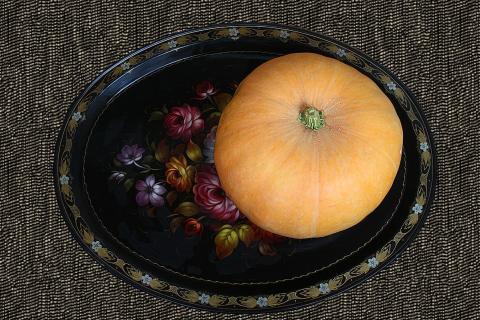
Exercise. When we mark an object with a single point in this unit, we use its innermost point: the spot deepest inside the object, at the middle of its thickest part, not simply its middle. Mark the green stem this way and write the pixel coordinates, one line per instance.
(312, 118)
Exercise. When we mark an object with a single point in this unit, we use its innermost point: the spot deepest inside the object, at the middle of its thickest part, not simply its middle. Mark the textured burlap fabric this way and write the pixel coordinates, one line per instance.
(51, 49)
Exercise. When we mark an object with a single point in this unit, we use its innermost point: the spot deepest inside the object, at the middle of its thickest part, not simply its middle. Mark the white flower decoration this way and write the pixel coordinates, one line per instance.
(125, 65)
(417, 208)
(373, 262)
(64, 179)
(233, 33)
(146, 279)
(284, 34)
(391, 86)
(262, 302)
(324, 288)
(76, 116)
(96, 245)
(341, 52)
(204, 298)
(424, 146)
(172, 44)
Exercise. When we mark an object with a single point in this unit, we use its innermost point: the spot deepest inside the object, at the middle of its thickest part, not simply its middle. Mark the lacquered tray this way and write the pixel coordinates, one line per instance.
(137, 185)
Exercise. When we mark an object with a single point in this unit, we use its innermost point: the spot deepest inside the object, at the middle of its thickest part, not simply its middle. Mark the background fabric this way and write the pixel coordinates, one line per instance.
(51, 49)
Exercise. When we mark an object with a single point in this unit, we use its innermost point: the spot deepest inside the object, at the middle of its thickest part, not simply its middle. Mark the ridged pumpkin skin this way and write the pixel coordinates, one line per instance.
(297, 182)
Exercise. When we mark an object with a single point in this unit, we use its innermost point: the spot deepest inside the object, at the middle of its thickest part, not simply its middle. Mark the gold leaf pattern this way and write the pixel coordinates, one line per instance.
(66, 189)
(420, 198)
(189, 295)
(68, 144)
(158, 285)
(382, 255)
(82, 106)
(216, 300)
(360, 269)
(120, 263)
(107, 255)
(276, 299)
(312, 292)
(426, 156)
(248, 302)
(84, 232)
(64, 168)
(412, 219)
(133, 273)
(75, 211)
(385, 79)
(336, 282)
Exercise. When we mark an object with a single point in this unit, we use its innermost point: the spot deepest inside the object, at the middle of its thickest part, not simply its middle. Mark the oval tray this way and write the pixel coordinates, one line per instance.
(121, 140)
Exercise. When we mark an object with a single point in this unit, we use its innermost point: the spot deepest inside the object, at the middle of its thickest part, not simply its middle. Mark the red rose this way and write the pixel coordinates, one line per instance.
(204, 89)
(210, 197)
(182, 122)
(267, 236)
(192, 227)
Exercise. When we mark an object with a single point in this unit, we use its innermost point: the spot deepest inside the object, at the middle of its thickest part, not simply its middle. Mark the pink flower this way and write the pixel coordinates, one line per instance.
(204, 89)
(182, 122)
(150, 191)
(211, 198)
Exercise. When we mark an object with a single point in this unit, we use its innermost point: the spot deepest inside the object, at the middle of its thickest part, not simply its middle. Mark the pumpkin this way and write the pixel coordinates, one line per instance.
(308, 146)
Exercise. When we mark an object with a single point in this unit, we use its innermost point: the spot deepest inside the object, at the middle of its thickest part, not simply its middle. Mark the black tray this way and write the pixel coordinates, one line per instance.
(115, 136)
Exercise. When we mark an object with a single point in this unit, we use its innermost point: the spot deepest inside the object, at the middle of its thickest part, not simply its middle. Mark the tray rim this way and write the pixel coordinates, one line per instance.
(188, 301)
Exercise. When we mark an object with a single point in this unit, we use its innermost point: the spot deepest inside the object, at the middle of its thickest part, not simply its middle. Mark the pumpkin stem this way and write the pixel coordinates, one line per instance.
(312, 118)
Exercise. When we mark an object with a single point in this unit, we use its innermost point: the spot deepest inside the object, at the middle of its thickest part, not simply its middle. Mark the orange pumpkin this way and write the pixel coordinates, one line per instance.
(308, 146)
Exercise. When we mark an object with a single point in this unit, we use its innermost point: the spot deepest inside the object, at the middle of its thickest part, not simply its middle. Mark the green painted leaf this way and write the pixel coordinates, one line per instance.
(187, 209)
(175, 223)
(162, 151)
(148, 158)
(194, 152)
(226, 241)
(156, 116)
(128, 184)
(222, 99)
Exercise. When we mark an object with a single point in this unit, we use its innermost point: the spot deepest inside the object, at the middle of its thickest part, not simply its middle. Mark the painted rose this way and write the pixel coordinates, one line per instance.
(209, 145)
(182, 122)
(192, 227)
(130, 154)
(204, 89)
(150, 192)
(179, 174)
(211, 198)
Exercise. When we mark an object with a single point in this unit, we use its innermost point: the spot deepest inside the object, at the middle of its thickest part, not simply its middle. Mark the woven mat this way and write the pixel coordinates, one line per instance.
(50, 49)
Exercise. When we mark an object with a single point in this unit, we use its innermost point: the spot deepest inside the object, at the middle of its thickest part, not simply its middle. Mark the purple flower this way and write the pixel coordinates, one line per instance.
(209, 145)
(117, 176)
(150, 192)
(130, 154)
